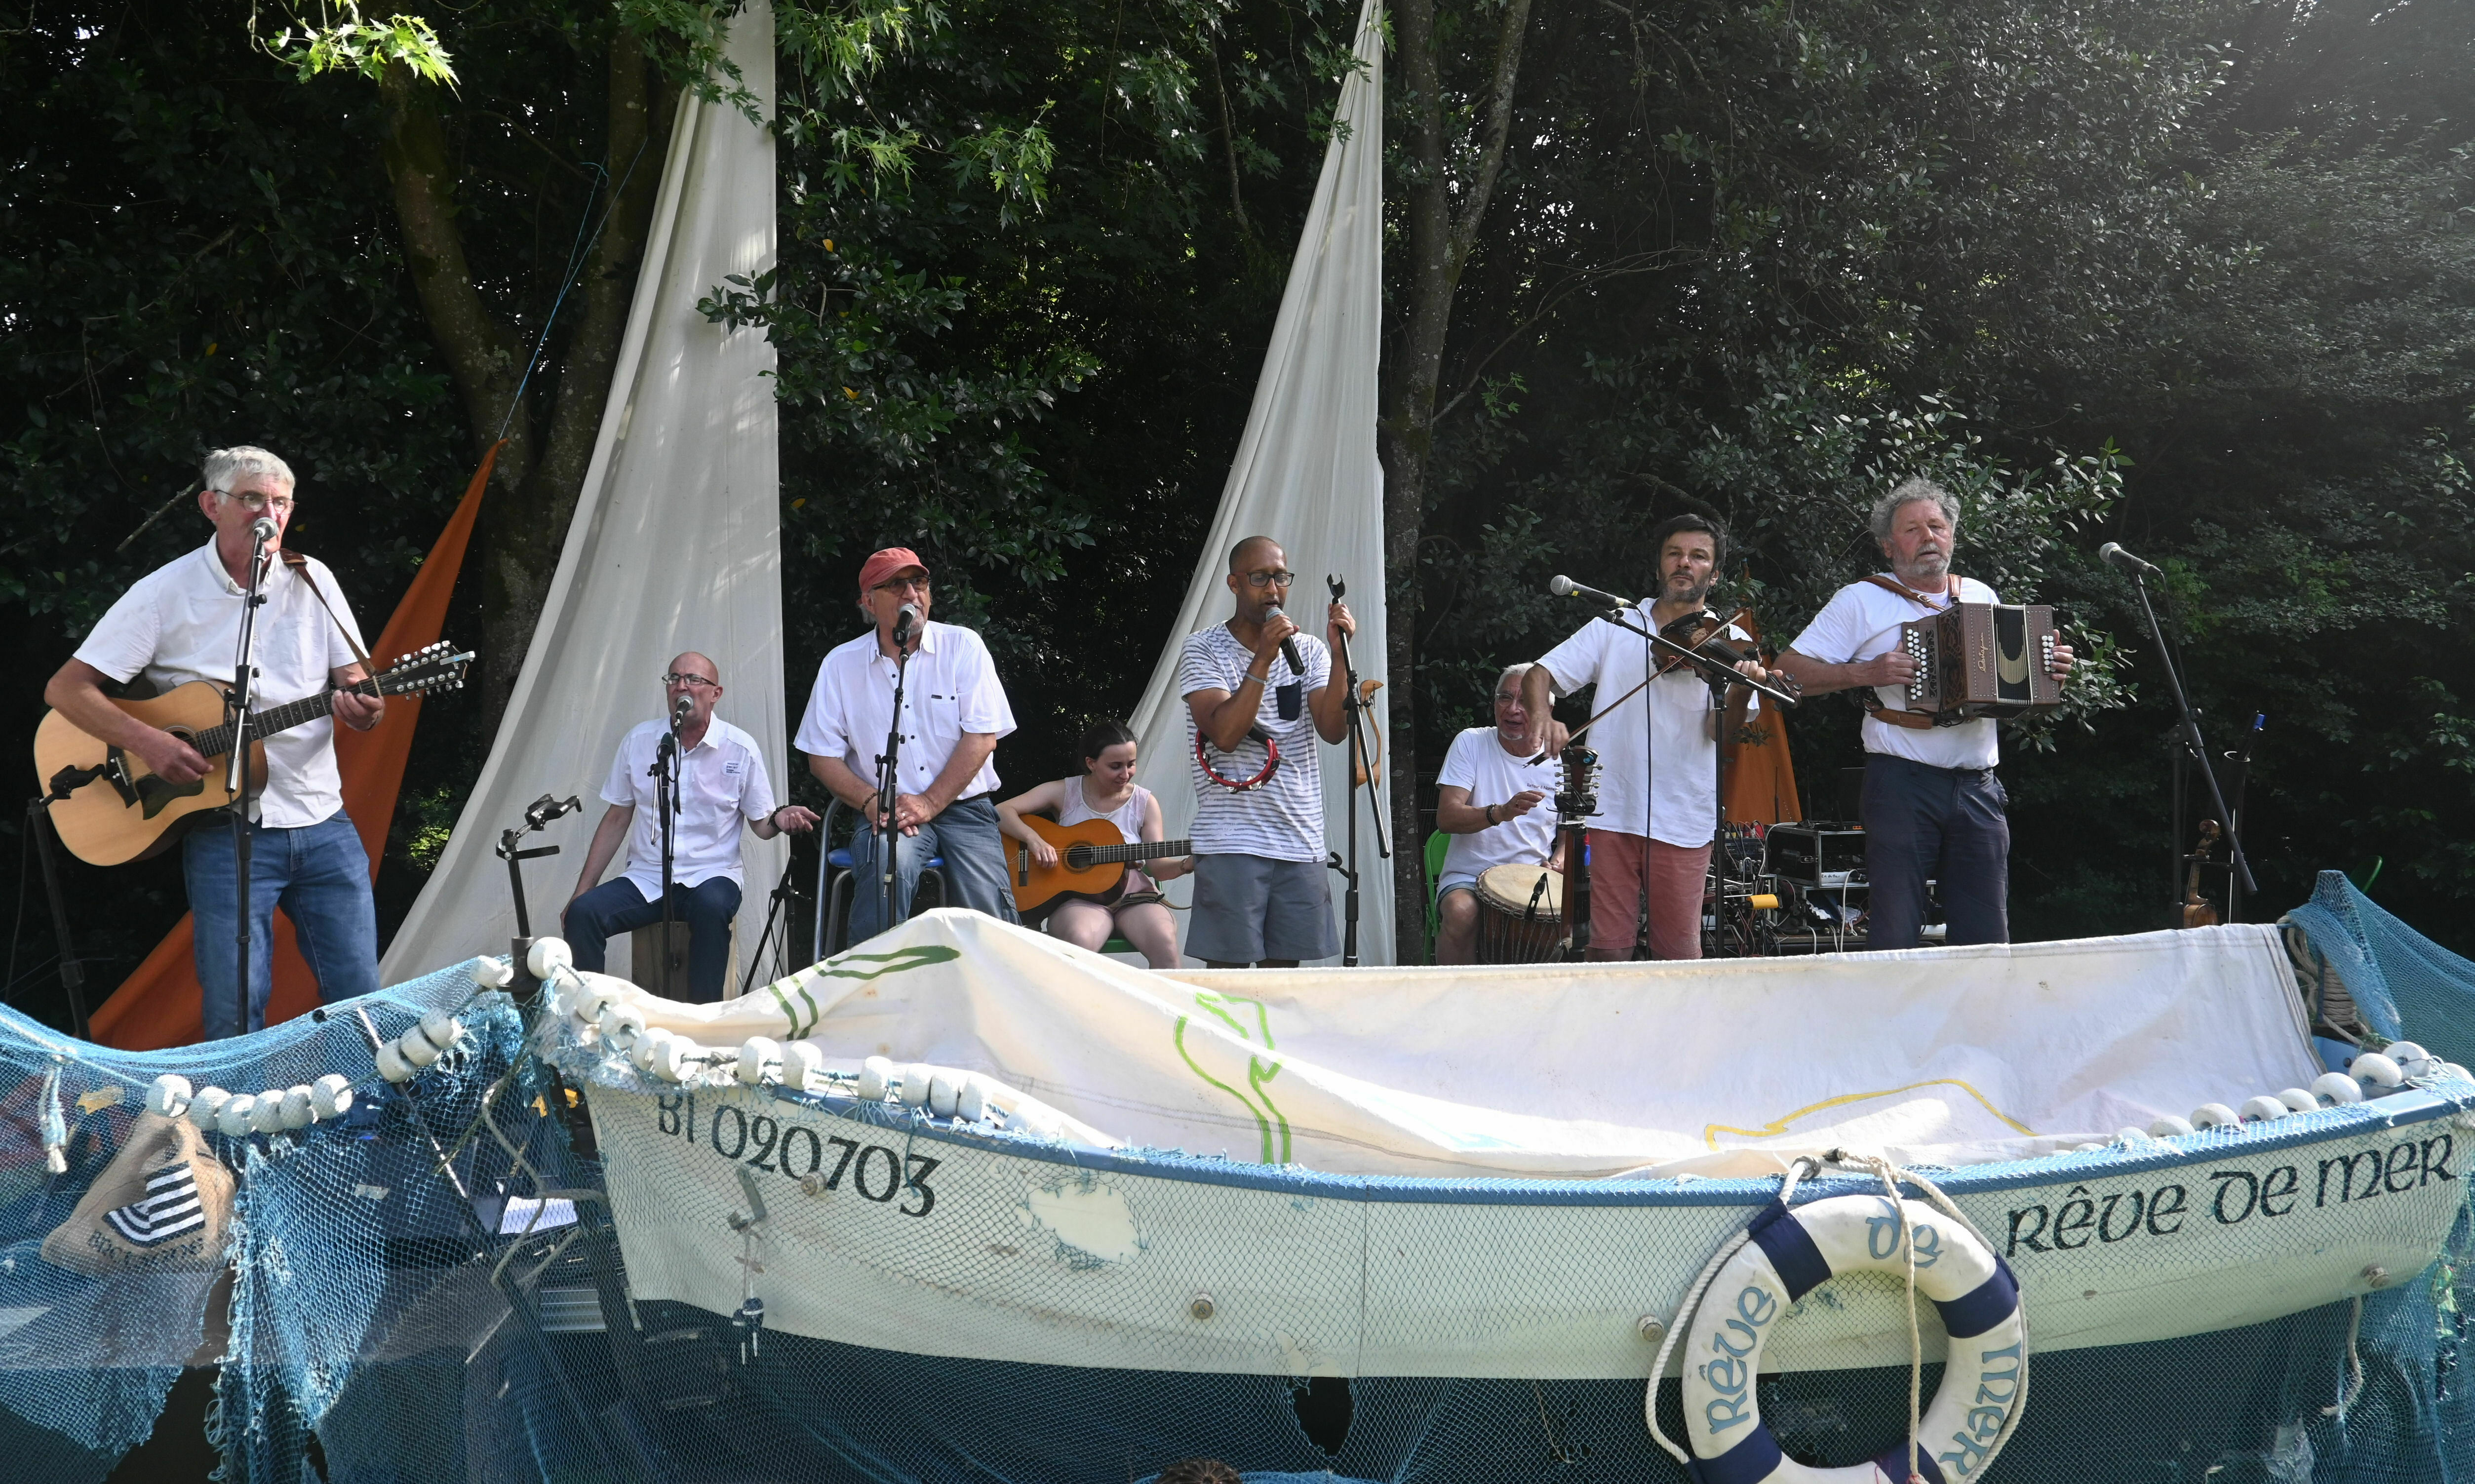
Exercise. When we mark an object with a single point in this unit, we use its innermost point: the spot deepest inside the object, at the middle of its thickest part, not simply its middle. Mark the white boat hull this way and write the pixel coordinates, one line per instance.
(927, 1238)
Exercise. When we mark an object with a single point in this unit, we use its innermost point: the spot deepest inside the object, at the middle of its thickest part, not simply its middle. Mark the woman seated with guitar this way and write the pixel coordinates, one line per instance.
(1071, 871)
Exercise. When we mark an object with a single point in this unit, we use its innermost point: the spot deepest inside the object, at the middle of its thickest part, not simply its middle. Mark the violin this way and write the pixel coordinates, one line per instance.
(1693, 631)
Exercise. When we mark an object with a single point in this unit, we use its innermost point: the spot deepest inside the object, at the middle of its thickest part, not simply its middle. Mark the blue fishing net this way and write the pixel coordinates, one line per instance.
(430, 1289)
(2408, 985)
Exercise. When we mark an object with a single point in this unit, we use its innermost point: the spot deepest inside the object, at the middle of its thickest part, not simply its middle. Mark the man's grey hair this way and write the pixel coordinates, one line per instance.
(222, 466)
(1516, 673)
(1907, 492)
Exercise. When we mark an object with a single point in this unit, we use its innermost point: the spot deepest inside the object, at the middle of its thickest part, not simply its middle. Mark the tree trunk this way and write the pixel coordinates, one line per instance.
(1440, 242)
(538, 479)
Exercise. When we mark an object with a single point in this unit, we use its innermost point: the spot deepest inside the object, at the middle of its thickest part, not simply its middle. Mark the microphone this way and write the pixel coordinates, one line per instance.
(1289, 647)
(2112, 551)
(904, 623)
(1565, 587)
(679, 710)
(262, 530)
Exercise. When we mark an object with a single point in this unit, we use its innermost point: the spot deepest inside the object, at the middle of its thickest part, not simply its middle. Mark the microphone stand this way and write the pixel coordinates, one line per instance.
(1355, 707)
(666, 783)
(536, 817)
(889, 781)
(2240, 864)
(237, 770)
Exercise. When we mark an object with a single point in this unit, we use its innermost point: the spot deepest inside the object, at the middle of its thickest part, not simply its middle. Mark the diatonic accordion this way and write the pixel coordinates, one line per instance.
(1983, 660)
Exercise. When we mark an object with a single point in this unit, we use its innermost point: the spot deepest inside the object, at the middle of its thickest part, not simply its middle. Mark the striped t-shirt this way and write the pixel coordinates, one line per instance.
(1282, 820)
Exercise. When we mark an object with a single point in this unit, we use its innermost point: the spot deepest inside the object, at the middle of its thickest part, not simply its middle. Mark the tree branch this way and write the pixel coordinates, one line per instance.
(1499, 124)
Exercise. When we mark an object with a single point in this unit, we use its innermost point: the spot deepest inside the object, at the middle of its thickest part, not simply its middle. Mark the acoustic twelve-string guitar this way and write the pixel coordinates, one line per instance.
(109, 807)
(1091, 861)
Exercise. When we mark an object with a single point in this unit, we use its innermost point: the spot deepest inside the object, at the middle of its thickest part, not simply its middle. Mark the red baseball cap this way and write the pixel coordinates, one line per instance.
(889, 562)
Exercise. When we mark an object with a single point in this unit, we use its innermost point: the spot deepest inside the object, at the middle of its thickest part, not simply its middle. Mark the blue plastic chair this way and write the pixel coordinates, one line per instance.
(836, 883)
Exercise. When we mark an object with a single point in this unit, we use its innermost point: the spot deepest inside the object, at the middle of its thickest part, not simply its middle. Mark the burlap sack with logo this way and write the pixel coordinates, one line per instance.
(164, 1201)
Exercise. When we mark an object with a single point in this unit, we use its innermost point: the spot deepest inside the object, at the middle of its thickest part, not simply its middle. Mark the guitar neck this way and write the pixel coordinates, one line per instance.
(1152, 850)
(217, 740)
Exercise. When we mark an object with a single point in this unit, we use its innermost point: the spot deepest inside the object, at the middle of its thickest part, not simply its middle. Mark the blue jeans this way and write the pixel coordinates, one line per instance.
(1939, 824)
(320, 875)
(966, 834)
(618, 907)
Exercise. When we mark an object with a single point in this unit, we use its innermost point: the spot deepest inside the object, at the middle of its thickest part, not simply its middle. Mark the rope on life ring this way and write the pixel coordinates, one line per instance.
(1785, 1254)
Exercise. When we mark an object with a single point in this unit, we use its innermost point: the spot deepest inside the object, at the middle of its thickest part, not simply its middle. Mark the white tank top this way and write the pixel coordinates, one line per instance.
(1128, 817)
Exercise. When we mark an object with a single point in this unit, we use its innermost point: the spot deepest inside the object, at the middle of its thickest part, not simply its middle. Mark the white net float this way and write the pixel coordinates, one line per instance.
(2214, 1116)
(647, 1047)
(2335, 1089)
(2298, 1101)
(916, 1080)
(801, 1060)
(2168, 1126)
(619, 1027)
(331, 1096)
(2375, 1074)
(876, 1074)
(548, 956)
(971, 1099)
(296, 1111)
(492, 973)
(391, 1064)
(205, 1107)
(760, 1060)
(943, 1086)
(2262, 1109)
(441, 1030)
(2405, 1054)
(268, 1115)
(168, 1095)
(236, 1116)
(2130, 1137)
(415, 1048)
(670, 1059)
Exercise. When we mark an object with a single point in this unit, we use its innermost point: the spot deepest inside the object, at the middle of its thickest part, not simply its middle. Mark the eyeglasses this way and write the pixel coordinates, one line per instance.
(1271, 579)
(1504, 698)
(282, 503)
(902, 584)
(699, 681)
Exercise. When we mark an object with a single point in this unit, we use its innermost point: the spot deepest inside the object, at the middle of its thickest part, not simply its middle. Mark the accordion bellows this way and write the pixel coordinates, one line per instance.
(1983, 660)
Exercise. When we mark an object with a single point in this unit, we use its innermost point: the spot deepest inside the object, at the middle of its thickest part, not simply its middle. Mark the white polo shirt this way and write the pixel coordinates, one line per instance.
(952, 689)
(722, 783)
(1668, 733)
(1477, 762)
(1862, 620)
(182, 622)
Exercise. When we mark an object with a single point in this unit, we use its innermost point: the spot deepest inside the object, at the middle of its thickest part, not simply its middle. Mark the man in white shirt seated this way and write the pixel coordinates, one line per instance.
(722, 781)
(953, 711)
(1488, 798)
(1933, 809)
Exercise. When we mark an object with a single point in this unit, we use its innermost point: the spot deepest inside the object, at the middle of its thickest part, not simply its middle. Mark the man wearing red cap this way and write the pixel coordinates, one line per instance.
(953, 711)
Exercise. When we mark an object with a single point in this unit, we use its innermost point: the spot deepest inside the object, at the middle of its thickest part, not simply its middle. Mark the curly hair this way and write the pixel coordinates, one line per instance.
(1907, 492)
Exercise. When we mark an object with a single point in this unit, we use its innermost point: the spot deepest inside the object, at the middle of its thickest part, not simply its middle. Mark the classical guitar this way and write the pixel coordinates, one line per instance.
(1091, 860)
(109, 807)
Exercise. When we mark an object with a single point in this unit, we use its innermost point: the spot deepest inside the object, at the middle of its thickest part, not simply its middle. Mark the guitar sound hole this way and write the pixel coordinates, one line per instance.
(1078, 857)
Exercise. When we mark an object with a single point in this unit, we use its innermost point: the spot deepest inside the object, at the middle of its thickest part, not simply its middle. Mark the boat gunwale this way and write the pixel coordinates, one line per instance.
(2405, 1108)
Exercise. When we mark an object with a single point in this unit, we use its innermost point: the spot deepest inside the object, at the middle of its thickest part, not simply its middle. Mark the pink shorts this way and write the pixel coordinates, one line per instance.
(1678, 875)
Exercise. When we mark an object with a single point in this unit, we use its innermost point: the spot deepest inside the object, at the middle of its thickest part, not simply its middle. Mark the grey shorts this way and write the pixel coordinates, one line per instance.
(1249, 909)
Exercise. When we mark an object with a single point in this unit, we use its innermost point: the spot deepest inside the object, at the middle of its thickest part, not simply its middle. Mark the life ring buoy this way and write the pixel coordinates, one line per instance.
(1787, 1255)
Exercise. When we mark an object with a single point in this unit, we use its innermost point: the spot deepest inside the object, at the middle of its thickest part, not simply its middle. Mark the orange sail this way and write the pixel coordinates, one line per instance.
(157, 1006)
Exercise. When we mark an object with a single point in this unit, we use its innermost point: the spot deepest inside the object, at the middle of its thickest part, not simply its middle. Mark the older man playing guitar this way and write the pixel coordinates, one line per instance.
(182, 623)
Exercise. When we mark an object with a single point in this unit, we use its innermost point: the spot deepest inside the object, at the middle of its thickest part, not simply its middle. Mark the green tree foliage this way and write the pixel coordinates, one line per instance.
(1763, 260)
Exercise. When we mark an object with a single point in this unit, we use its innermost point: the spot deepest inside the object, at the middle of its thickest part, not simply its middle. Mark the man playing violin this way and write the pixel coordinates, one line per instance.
(1650, 842)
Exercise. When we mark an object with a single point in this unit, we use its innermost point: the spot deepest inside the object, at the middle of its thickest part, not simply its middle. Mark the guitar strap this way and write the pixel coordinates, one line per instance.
(300, 566)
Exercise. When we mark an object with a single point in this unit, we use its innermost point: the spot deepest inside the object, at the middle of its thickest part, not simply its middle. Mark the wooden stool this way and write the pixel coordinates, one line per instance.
(644, 959)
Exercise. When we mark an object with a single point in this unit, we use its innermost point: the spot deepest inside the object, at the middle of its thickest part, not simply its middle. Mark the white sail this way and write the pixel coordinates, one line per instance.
(1306, 474)
(676, 545)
